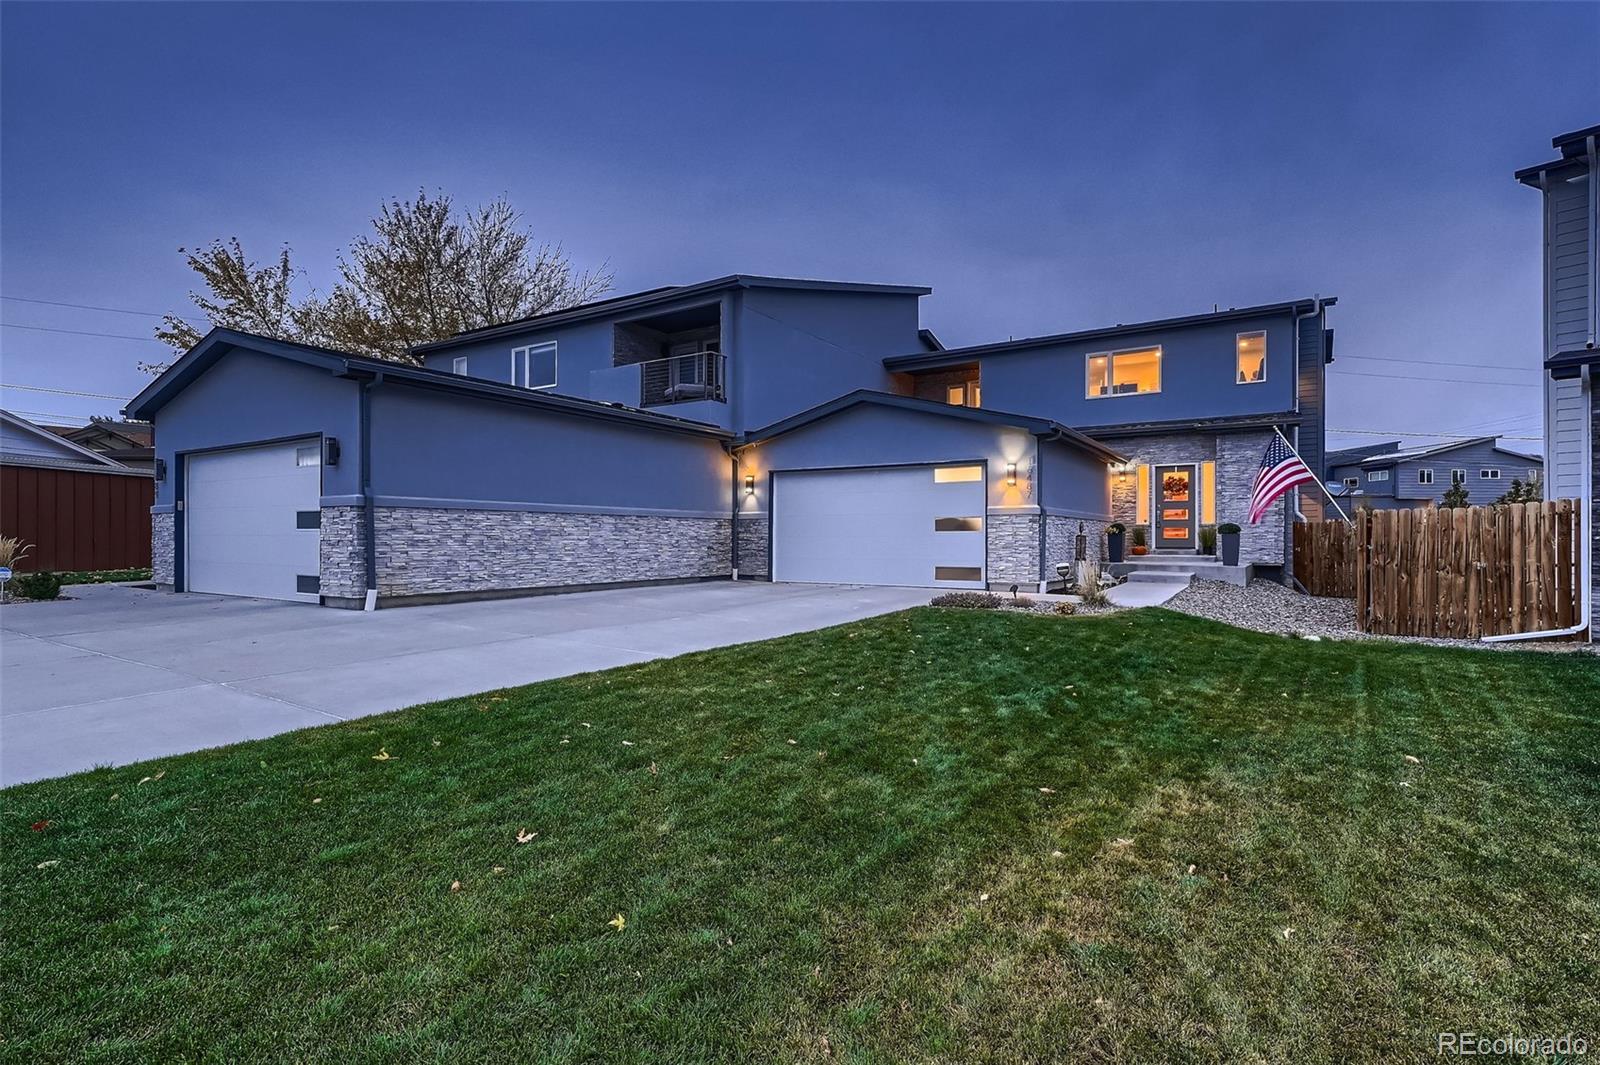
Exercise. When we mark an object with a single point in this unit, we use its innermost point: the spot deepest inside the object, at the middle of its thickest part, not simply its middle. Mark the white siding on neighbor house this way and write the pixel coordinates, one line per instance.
(1566, 421)
(1570, 230)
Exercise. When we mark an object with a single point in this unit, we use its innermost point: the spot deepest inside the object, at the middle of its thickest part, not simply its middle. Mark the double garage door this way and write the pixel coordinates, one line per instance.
(918, 526)
(252, 520)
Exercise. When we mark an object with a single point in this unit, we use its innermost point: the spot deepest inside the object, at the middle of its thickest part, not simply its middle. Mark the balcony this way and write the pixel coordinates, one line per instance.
(692, 378)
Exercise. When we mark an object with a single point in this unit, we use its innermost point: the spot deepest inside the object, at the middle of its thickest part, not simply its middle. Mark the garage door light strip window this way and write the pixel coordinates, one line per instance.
(950, 474)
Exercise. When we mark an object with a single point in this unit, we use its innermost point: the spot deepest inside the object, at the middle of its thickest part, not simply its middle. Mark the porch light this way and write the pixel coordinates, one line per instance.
(1011, 474)
(749, 484)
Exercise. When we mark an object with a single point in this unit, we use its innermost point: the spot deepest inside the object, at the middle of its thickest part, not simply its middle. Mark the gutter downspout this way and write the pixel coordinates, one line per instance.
(368, 507)
(1288, 526)
(733, 524)
(1586, 576)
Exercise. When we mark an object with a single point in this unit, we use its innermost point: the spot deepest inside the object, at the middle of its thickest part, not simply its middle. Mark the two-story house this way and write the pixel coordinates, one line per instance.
(1571, 318)
(775, 428)
(1388, 477)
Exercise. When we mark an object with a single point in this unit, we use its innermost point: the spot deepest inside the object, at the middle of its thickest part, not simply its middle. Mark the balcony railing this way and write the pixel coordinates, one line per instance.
(682, 379)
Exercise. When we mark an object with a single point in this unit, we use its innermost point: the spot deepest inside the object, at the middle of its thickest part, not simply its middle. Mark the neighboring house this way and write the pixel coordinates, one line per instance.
(1385, 477)
(78, 508)
(129, 443)
(747, 426)
(1571, 329)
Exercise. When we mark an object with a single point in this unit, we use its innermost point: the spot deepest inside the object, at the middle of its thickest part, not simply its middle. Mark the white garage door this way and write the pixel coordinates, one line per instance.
(919, 526)
(252, 519)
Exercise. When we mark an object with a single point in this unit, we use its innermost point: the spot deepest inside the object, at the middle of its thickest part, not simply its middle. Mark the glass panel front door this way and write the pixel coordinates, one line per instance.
(1175, 518)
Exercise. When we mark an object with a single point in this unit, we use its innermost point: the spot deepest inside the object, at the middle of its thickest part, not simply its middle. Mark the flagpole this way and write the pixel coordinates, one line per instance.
(1315, 476)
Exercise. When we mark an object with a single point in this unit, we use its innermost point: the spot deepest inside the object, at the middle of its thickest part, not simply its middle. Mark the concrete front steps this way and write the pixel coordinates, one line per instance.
(1182, 568)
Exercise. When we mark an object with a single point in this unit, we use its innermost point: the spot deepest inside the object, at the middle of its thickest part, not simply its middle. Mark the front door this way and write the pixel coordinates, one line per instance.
(1175, 508)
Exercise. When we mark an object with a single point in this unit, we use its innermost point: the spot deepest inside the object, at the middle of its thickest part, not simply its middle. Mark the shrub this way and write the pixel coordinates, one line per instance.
(1229, 528)
(1138, 536)
(13, 550)
(103, 576)
(969, 600)
(1065, 609)
(1208, 539)
(1091, 587)
(36, 586)
(1455, 497)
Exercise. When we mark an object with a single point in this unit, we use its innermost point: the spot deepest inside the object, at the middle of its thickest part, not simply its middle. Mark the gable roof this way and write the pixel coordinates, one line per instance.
(1350, 455)
(134, 435)
(58, 452)
(1406, 455)
(951, 356)
(651, 297)
(867, 397)
(219, 342)
(1574, 148)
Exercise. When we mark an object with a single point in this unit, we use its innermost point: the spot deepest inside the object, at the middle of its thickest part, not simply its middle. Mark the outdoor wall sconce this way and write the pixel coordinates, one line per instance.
(1011, 474)
(749, 484)
(330, 451)
(161, 469)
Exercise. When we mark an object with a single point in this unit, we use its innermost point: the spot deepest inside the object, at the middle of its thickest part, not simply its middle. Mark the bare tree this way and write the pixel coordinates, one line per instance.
(426, 272)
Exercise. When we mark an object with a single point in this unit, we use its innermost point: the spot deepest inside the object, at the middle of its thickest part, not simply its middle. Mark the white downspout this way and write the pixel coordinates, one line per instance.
(1585, 565)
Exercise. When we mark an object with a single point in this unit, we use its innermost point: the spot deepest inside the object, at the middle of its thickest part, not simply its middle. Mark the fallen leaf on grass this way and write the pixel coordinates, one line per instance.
(383, 755)
(654, 771)
(627, 743)
(158, 776)
(983, 897)
(524, 836)
(1120, 842)
(1047, 791)
(586, 724)
(1057, 854)
(47, 865)
(498, 869)
(115, 796)
(1287, 932)
(315, 801)
(455, 885)
(40, 826)
(1413, 759)
(618, 922)
(1191, 870)
(792, 743)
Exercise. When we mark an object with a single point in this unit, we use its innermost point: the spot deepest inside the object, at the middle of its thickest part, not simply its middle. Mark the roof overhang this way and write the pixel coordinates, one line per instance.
(935, 360)
(76, 454)
(1239, 423)
(219, 342)
(1564, 364)
(617, 306)
(1039, 427)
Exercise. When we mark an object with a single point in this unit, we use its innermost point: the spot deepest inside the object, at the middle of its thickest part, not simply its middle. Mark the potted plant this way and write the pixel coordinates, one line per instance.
(1138, 540)
(1208, 539)
(1228, 534)
(1114, 534)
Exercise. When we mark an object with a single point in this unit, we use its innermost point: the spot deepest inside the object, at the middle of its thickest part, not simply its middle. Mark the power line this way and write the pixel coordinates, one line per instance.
(1437, 380)
(80, 332)
(64, 392)
(53, 415)
(1414, 432)
(1440, 362)
(113, 310)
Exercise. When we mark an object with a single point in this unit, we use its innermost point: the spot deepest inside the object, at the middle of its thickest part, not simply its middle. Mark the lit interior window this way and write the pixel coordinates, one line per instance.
(1142, 506)
(1125, 373)
(956, 395)
(1208, 493)
(948, 474)
(1252, 358)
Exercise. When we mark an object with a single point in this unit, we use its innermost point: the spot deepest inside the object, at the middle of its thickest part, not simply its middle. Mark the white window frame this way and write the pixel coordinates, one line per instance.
(1262, 333)
(1425, 475)
(521, 363)
(1458, 476)
(458, 366)
(1111, 374)
(1374, 476)
(1535, 474)
(1489, 473)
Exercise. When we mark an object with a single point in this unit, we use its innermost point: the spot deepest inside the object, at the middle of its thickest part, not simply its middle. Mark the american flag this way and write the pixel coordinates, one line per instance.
(1281, 470)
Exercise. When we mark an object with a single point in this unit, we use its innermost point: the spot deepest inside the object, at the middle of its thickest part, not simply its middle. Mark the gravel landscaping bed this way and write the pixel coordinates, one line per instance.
(1266, 606)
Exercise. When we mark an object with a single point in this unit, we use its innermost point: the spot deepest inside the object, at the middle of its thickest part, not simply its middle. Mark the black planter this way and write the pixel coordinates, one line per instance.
(1230, 548)
(1114, 545)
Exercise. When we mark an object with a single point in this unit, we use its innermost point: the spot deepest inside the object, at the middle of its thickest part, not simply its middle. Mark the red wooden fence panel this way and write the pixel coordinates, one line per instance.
(77, 520)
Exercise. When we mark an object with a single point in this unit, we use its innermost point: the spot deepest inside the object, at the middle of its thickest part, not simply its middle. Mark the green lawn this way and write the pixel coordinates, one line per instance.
(934, 836)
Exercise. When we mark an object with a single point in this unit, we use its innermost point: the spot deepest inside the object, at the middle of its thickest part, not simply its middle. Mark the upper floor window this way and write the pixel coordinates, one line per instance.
(458, 365)
(534, 366)
(1250, 358)
(1489, 474)
(964, 394)
(1534, 474)
(1424, 476)
(1124, 373)
(1458, 476)
(1377, 475)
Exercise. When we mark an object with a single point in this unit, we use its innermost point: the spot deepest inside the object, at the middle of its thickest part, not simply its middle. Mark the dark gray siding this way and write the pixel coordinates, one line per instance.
(1310, 438)
(1570, 228)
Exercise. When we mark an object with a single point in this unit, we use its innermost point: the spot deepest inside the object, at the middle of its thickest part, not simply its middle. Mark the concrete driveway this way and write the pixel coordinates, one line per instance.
(119, 674)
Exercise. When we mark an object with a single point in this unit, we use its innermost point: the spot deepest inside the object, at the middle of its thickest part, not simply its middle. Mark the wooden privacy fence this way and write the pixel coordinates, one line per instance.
(1463, 573)
(77, 520)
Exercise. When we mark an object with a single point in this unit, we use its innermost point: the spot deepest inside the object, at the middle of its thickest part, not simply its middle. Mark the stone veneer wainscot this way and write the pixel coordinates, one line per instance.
(163, 547)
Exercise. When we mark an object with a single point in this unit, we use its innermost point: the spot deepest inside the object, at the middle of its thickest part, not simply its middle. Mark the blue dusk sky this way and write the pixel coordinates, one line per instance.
(1042, 167)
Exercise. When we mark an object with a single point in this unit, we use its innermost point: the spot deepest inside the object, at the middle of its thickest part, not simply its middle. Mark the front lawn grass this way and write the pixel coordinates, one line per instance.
(935, 836)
